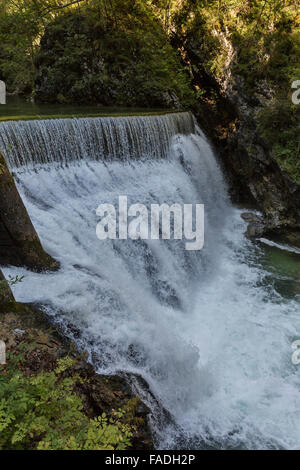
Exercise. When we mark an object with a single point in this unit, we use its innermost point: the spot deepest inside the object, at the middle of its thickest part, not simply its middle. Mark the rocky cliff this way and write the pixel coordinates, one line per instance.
(251, 161)
(231, 118)
(19, 242)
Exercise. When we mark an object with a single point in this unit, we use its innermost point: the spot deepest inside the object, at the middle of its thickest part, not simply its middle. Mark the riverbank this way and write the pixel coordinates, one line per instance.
(35, 348)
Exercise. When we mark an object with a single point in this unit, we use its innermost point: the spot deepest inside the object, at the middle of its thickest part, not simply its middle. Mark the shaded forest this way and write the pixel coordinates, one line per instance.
(159, 53)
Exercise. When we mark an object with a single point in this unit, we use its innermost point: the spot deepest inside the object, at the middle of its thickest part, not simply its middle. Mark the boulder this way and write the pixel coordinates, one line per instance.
(6, 294)
(256, 225)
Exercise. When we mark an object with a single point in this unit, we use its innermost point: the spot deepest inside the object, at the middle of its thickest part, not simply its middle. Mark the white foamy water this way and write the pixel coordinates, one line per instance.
(211, 338)
(281, 246)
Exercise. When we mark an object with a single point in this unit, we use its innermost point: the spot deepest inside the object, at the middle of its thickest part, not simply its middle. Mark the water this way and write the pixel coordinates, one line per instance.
(67, 140)
(19, 108)
(210, 331)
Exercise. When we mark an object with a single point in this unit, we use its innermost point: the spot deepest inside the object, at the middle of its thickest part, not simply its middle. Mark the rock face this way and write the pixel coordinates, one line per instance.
(250, 160)
(19, 242)
(230, 118)
(256, 225)
(6, 294)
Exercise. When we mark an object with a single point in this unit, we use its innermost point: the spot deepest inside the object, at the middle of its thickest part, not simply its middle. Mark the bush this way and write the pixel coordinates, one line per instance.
(42, 412)
(121, 58)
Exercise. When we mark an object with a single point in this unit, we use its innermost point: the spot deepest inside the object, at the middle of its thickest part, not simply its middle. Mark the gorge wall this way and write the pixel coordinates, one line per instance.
(242, 60)
(253, 171)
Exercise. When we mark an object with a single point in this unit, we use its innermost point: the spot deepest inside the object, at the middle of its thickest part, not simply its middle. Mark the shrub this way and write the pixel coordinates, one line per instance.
(43, 412)
(119, 58)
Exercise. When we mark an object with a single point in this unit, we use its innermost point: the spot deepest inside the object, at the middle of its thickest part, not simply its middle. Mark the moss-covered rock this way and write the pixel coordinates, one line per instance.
(6, 294)
(19, 242)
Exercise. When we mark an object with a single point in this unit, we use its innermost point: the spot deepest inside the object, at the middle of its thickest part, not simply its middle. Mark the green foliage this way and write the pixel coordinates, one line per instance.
(259, 41)
(120, 57)
(4, 286)
(279, 125)
(19, 30)
(12, 281)
(109, 52)
(119, 53)
(42, 412)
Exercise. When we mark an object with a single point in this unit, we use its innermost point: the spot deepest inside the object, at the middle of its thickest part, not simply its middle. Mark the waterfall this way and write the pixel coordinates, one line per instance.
(65, 140)
(206, 330)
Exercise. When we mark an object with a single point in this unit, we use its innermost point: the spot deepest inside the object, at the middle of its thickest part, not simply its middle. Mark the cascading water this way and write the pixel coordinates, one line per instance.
(205, 329)
(67, 140)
